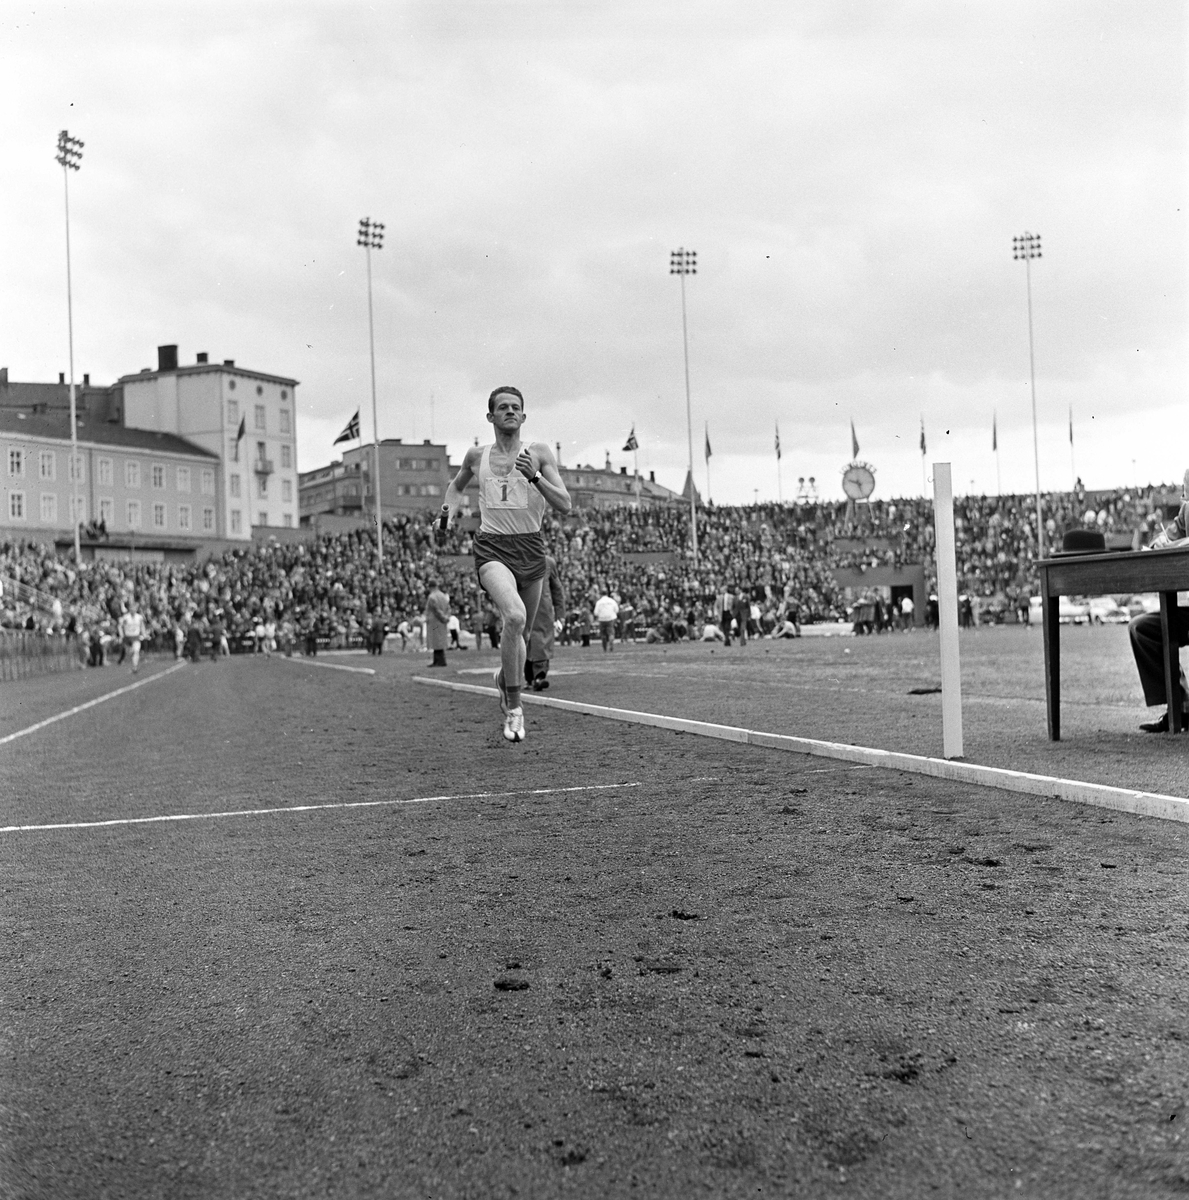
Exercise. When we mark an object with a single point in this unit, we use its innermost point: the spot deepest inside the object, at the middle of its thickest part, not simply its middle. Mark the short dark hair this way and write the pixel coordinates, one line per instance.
(511, 392)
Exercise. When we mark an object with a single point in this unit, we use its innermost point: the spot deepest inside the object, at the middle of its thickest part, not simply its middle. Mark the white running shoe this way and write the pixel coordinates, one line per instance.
(514, 725)
(503, 691)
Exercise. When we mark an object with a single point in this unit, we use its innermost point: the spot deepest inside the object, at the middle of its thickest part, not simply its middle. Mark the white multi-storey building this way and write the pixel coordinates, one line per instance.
(246, 418)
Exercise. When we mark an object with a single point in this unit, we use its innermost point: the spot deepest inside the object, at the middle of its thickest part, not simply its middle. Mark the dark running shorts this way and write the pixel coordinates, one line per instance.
(522, 553)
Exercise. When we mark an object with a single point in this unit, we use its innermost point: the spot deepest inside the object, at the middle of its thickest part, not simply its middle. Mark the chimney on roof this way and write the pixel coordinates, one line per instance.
(426, 442)
(623, 470)
(167, 358)
(202, 356)
(3, 377)
(652, 477)
(86, 380)
(61, 376)
(229, 362)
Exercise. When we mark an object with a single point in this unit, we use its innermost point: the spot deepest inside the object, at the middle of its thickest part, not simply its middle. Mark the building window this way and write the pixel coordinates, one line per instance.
(48, 465)
(287, 520)
(233, 413)
(158, 515)
(287, 457)
(183, 479)
(284, 394)
(287, 490)
(260, 416)
(77, 469)
(184, 517)
(208, 520)
(259, 390)
(236, 521)
(262, 518)
(78, 505)
(208, 482)
(261, 451)
(49, 508)
(133, 514)
(262, 487)
(16, 463)
(16, 506)
(433, 464)
(132, 478)
(233, 455)
(284, 420)
(107, 510)
(105, 472)
(233, 481)
(157, 473)
(431, 489)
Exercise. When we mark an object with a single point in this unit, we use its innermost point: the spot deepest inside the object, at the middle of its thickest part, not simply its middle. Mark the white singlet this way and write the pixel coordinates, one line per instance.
(507, 503)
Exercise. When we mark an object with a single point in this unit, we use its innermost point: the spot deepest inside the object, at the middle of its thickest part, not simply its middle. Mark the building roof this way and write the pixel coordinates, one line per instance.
(199, 368)
(100, 433)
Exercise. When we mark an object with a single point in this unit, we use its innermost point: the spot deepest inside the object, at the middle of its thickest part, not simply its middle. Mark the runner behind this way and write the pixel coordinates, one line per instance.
(516, 482)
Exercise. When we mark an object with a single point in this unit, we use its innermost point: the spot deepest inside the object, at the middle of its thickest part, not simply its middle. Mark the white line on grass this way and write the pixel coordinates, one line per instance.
(313, 662)
(78, 708)
(1144, 804)
(300, 808)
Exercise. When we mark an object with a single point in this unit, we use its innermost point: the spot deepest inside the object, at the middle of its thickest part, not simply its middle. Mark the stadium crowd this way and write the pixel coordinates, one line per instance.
(781, 557)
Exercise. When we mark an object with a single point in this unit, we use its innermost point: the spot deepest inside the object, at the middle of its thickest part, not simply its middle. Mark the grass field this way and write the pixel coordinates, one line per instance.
(610, 961)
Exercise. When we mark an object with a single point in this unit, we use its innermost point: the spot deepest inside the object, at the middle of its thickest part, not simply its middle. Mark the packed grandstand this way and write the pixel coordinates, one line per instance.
(331, 589)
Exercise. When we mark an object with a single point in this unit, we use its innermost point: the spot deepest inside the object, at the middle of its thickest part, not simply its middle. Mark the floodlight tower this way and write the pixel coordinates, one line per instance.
(69, 156)
(371, 237)
(682, 263)
(1027, 247)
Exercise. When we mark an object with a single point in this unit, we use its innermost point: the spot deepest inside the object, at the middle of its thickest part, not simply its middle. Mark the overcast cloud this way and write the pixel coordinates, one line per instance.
(850, 174)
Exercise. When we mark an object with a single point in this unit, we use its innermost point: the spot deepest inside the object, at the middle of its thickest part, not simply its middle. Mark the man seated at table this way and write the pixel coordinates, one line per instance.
(1147, 642)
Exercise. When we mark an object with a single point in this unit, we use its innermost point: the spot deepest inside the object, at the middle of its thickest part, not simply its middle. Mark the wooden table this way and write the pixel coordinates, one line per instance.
(1162, 571)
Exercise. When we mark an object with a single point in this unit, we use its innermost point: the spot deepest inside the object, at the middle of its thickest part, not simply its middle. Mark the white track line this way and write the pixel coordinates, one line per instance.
(300, 808)
(78, 708)
(1144, 804)
(313, 662)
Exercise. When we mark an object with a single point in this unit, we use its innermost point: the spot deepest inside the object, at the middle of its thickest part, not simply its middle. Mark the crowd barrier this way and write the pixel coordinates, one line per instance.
(25, 652)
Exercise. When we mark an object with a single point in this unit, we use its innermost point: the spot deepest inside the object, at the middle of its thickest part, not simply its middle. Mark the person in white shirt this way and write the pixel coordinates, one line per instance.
(606, 612)
(132, 629)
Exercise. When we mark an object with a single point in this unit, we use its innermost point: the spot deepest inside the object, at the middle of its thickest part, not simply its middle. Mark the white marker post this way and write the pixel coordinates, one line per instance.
(947, 612)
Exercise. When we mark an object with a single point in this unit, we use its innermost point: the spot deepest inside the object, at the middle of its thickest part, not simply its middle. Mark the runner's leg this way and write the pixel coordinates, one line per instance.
(500, 584)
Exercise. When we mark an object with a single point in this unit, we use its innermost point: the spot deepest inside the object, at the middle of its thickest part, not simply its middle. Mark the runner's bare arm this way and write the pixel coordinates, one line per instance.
(453, 500)
(539, 467)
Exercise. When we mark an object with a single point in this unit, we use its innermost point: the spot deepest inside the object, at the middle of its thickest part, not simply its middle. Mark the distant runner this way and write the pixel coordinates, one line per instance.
(132, 631)
(516, 482)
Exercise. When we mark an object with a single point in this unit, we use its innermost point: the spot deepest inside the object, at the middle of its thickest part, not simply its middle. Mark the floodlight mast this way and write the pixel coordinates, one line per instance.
(69, 156)
(682, 263)
(1027, 247)
(371, 237)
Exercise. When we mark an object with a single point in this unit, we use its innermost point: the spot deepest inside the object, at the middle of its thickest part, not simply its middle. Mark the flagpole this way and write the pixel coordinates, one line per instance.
(707, 442)
(995, 447)
(682, 263)
(1073, 475)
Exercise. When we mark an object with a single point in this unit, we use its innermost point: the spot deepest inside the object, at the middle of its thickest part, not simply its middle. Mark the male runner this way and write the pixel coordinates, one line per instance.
(516, 481)
(132, 631)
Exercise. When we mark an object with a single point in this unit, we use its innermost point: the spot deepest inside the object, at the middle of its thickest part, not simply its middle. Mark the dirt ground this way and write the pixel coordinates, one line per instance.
(710, 968)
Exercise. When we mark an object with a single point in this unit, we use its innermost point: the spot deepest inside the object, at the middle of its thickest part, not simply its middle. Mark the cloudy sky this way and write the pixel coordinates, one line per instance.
(851, 175)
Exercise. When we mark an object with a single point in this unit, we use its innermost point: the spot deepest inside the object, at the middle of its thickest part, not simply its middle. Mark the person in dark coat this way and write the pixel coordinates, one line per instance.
(540, 641)
(437, 614)
(1146, 632)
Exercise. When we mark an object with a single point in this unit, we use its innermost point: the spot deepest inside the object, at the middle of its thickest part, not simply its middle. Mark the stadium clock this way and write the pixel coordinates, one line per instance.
(858, 481)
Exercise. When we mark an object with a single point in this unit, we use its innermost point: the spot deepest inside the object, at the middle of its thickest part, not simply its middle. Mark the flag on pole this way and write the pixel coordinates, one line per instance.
(631, 443)
(351, 432)
(243, 428)
(854, 441)
(994, 433)
(923, 450)
(707, 442)
(1071, 424)
(777, 441)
